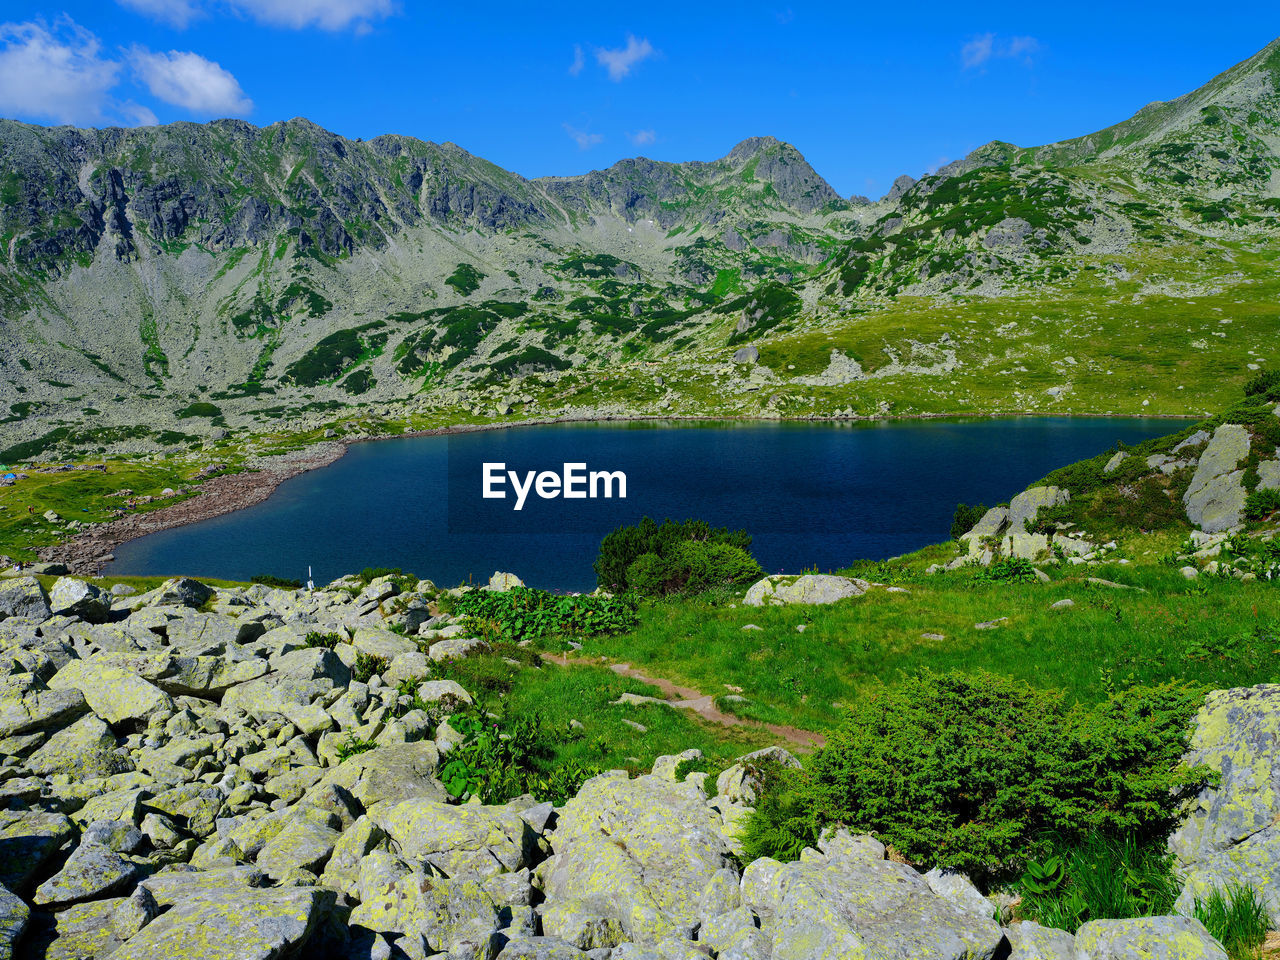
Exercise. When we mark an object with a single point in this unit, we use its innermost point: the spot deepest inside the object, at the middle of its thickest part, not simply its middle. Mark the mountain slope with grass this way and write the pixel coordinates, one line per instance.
(184, 280)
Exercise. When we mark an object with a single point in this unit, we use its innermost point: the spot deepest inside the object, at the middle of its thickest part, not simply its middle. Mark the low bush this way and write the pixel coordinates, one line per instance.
(280, 583)
(1098, 878)
(524, 614)
(499, 761)
(972, 771)
(1009, 570)
(691, 567)
(1260, 504)
(624, 546)
(326, 640)
(965, 518)
(367, 665)
(1237, 918)
(1263, 382)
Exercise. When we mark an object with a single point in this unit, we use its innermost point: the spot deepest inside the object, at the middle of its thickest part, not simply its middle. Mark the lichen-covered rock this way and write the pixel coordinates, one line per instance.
(29, 839)
(182, 592)
(448, 693)
(540, 948)
(1147, 938)
(244, 924)
(13, 921)
(444, 912)
(390, 774)
(92, 871)
(807, 589)
(1215, 498)
(83, 750)
(989, 527)
(1269, 475)
(641, 852)
(1229, 833)
(1030, 941)
(24, 597)
(501, 582)
(1028, 504)
(27, 705)
(470, 841)
(113, 693)
(959, 891)
(75, 598)
(848, 903)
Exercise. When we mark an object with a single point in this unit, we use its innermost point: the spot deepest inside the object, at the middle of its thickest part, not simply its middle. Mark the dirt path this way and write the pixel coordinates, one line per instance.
(703, 704)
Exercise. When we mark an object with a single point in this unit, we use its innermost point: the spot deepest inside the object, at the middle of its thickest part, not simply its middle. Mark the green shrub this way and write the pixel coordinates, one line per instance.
(500, 760)
(1098, 878)
(1263, 382)
(625, 545)
(368, 664)
(1237, 918)
(1009, 570)
(1261, 504)
(524, 614)
(353, 746)
(280, 583)
(972, 771)
(965, 518)
(692, 566)
(465, 279)
(200, 410)
(326, 640)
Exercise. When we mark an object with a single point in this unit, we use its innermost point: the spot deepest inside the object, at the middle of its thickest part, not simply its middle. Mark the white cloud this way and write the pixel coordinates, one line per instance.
(938, 164)
(55, 74)
(579, 60)
(986, 46)
(325, 14)
(176, 13)
(619, 62)
(584, 140)
(641, 137)
(136, 115)
(188, 80)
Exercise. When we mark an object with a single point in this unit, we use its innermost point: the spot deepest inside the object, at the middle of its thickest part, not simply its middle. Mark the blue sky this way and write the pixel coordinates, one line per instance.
(865, 92)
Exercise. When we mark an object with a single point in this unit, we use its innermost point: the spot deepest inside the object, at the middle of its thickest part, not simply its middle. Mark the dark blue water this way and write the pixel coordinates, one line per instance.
(813, 495)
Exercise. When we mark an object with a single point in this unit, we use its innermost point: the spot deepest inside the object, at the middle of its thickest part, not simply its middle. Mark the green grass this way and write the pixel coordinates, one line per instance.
(584, 693)
(1214, 633)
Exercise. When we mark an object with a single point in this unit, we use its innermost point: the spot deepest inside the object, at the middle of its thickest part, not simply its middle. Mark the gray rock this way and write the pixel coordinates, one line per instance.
(469, 841)
(13, 921)
(91, 872)
(183, 592)
(27, 705)
(501, 582)
(1030, 941)
(24, 597)
(808, 589)
(1147, 938)
(540, 948)
(75, 598)
(1199, 438)
(1026, 505)
(134, 913)
(1215, 498)
(989, 526)
(746, 355)
(959, 890)
(29, 840)
(445, 692)
(1114, 463)
(231, 924)
(83, 750)
(1269, 475)
(1230, 833)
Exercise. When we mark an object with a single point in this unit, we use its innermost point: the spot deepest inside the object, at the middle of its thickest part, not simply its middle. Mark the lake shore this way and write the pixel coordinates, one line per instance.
(89, 549)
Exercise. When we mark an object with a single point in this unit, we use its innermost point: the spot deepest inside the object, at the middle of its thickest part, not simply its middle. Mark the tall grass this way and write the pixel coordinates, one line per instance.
(1237, 918)
(1102, 879)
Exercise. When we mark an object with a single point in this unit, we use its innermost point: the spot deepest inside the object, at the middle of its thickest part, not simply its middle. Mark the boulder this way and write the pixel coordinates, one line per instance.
(13, 921)
(989, 526)
(1114, 463)
(457, 648)
(75, 598)
(113, 693)
(960, 891)
(640, 853)
(1030, 941)
(390, 774)
(238, 924)
(746, 355)
(1215, 498)
(83, 750)
(27, 705)
(382, 643)
(91, 872)
(28, 840)
(501, 582)
(24, 597)
(1269, 475)
(1028, 504)
(1147, 938)
(447, 914)
(846, 902)
(807, 589)
(448, 693)
(183, 592)
(1231, 832)
(469, 841)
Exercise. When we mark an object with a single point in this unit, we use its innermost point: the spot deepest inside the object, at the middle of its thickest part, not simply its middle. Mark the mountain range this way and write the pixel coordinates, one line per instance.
(162, 285)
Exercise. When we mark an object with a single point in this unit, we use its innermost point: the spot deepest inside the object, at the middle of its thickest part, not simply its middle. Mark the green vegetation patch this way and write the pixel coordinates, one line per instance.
(465, 279)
